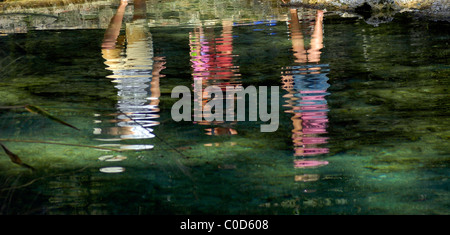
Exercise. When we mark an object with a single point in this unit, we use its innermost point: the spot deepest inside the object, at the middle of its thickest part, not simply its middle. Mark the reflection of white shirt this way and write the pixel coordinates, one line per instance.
(132, 72)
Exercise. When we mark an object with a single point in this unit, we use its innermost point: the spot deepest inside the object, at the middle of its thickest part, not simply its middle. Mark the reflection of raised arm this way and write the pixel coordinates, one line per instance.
(113, 30)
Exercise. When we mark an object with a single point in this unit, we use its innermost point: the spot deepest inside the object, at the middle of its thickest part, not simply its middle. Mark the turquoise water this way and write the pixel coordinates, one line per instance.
(363, 117)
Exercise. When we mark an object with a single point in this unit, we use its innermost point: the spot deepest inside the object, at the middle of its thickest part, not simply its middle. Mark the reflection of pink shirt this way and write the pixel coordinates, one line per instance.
(313, 140)
(312, 110)
(309, 163)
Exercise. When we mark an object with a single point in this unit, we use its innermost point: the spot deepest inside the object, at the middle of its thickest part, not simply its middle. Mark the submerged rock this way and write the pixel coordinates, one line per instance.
(437, 9)
(377, 4)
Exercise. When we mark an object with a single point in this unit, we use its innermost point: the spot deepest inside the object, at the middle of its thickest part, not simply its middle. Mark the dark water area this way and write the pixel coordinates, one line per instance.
(363, 118)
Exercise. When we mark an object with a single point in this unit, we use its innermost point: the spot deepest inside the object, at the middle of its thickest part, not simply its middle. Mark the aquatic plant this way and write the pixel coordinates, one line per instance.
(8, 65)
(14, 158)
(37, 110)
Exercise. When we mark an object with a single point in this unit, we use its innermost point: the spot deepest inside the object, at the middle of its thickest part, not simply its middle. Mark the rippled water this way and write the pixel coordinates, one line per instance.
(363, 114)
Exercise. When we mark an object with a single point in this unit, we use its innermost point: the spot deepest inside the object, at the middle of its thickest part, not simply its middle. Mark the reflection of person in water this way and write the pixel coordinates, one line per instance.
(306, 83)
(135, 71)
(211, 59)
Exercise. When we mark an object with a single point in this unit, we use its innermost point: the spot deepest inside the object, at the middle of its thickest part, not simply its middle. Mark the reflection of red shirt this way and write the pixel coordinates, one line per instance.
(212, 63)
(213, 59)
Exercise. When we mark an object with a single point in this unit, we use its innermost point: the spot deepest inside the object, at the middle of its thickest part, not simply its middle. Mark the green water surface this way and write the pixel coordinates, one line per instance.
(387, 126)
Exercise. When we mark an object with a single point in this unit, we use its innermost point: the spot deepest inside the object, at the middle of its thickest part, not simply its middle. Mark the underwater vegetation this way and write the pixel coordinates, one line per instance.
(34, 109)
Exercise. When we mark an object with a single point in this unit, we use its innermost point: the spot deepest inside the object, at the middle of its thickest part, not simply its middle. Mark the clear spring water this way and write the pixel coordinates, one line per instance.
(363, 114)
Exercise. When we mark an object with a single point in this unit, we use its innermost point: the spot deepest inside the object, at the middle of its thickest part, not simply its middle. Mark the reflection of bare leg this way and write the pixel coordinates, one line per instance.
(298, 44)
(139, 49)
(317, 39)
(112, 40)
(158, 65)
(227, 38)
(140, 9)
(113, 30)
